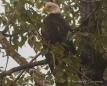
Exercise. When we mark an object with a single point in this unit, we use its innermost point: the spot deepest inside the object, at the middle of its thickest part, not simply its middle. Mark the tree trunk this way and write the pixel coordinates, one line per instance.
(93, 63)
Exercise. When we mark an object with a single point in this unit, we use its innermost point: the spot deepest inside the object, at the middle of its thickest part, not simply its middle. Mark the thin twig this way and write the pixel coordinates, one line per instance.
(81, 73)
(25, 69)
(85, 20)
(82, 8)
(8, 23)
(7, 35)
(68, 8)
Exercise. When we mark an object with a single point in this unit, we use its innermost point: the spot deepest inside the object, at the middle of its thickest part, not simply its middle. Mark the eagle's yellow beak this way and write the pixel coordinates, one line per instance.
(44, 9)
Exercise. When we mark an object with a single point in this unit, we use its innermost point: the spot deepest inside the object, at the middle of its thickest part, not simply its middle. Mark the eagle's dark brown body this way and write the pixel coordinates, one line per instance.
(56, 29)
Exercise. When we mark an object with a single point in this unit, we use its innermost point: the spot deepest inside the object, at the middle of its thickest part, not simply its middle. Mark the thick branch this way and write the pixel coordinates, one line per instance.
(17, 57)
(11, 52)
(25, 66)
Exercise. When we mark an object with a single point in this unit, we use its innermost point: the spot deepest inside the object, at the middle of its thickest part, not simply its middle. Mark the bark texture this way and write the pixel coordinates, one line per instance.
(93, 63)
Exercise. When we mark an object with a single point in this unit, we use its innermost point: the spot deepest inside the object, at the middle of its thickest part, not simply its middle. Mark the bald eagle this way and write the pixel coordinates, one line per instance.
(56, 29)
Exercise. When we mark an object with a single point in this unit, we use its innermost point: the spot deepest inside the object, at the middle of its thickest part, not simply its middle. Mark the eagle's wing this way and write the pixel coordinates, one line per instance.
(56, 29)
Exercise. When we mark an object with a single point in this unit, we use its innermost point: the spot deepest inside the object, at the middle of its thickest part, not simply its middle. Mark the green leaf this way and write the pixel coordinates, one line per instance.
(23, 17)
(46, 68)
(59, 73)
(19, 5)
(49, 77)
(82, 34)
(69, 36)
(53, 57)
(12, 1)
(30, 2)
(39, 4)
(23, 40)
(44, 51)
(15, 42)
(37, 46)
(67, 60)
(29, 13)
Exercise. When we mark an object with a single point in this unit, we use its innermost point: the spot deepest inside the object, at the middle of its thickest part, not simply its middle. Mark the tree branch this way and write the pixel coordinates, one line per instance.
(25, 66)
(7, 35)
(17, 57)
(11, 52)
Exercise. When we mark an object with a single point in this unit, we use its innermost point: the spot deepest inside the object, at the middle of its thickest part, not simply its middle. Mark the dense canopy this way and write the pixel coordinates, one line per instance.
(80, 24)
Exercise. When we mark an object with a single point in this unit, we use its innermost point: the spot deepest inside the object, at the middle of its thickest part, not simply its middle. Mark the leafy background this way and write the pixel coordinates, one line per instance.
(27, 23)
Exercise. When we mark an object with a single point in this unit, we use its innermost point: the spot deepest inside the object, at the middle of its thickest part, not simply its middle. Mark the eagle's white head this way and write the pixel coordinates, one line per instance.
(51, 8)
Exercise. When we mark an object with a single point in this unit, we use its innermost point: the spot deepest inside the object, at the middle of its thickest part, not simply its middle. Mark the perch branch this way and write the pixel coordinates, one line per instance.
(25, 66)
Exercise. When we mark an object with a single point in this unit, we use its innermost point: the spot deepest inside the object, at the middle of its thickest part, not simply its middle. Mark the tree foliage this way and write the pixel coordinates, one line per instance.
(22, 21)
